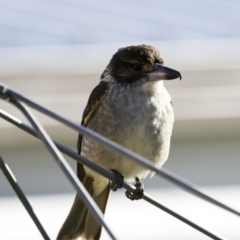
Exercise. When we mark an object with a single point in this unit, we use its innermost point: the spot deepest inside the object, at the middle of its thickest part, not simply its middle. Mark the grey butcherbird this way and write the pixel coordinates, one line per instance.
(130, 106)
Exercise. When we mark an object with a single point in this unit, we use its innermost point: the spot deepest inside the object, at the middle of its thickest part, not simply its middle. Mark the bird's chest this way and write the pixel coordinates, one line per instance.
(142, 123)
(138, 119)
(139, 122)
(145, 122)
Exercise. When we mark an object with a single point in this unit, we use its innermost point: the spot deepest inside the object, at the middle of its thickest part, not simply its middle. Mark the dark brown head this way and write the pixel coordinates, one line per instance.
(133, 63)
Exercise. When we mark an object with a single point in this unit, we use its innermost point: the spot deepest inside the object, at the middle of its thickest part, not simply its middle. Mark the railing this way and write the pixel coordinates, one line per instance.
(54, 148)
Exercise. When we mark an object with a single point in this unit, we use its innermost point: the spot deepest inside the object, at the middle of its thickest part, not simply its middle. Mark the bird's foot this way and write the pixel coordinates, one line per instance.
(138, 193)
(118, 182)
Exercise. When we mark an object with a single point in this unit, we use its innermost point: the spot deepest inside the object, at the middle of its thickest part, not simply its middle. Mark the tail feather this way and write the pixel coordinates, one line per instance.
(80, 221)
(92, 228)
(73, 226)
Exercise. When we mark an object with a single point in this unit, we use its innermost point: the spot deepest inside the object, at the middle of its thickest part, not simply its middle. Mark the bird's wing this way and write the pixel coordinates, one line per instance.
(94, 100)
(79, 221)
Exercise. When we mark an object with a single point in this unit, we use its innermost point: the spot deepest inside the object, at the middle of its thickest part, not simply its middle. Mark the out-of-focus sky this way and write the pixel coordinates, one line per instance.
(57, 22)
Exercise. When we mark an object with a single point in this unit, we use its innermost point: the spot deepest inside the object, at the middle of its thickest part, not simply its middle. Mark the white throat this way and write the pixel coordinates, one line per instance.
(152, 86)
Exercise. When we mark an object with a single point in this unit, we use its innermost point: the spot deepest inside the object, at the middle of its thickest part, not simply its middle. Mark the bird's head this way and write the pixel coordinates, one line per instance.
(139, 63)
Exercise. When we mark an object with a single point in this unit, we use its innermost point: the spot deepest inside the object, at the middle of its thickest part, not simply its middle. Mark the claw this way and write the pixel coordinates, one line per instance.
(118, 182)
(138, 193)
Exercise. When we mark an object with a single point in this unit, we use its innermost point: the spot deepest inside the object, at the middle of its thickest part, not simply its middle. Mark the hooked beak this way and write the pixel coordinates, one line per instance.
(161, 72)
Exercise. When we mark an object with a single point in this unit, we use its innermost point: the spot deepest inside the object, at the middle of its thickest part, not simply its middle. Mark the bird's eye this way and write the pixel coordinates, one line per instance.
(136, 67)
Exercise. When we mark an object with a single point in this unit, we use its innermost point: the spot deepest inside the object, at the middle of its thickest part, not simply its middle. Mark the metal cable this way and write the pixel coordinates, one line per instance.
(18, 123)
(180, 182)
(13, 182)
(67, 170)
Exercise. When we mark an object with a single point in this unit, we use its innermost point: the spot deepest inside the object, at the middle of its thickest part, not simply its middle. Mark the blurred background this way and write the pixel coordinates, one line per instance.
(54, 53)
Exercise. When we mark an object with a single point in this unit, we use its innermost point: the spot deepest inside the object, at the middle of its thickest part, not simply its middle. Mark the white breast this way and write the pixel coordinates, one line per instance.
(141, 121)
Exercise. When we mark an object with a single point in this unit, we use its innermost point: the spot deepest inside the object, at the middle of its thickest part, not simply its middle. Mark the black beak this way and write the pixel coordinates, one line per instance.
(161, 72)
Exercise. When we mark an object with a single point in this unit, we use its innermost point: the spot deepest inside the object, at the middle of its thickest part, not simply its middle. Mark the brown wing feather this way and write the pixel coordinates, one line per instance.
(93, 102)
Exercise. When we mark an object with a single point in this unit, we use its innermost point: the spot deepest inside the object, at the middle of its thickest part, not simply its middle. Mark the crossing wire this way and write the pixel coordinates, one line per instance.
(18, 123)
(85, 196)
(13, 182)
(16, 98)
(8, 93)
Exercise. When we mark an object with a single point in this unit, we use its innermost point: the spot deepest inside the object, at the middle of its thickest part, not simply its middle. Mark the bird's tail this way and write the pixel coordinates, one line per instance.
(79, 221)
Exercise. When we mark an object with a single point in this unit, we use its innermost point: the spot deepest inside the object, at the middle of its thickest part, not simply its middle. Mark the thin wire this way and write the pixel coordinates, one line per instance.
(181, 218)
(178, 181)
(13, 182)
(107, 174)
(87, 199)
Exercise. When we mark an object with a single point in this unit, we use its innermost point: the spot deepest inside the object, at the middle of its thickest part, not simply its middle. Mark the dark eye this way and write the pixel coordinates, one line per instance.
(136, 67)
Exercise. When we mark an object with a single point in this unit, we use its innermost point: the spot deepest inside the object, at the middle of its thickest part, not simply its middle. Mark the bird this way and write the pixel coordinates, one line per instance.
(131, 107)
